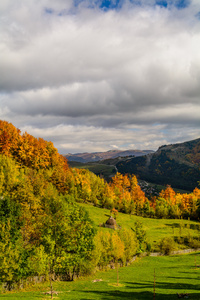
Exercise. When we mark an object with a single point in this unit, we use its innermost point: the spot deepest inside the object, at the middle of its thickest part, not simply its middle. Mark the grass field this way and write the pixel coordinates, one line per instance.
(173, 274)
(156, 229)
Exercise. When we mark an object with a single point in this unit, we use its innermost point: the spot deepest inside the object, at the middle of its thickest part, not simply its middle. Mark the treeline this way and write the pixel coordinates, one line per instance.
(124, 194)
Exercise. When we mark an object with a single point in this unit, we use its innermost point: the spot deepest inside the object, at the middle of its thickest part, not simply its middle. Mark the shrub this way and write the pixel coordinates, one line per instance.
(194, 243)
(167, 245)
(130, 242)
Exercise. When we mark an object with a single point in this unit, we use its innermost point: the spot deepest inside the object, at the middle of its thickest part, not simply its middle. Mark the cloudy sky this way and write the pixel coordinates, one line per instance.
(95, 75)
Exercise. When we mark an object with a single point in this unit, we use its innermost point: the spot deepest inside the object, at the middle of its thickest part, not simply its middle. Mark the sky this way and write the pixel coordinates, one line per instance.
(99, 75)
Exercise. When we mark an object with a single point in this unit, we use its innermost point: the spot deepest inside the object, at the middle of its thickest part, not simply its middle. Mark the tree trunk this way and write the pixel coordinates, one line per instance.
(117, 273)
(50, 281)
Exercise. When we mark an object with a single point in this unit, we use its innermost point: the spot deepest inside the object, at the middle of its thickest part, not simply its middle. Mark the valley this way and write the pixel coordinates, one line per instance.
(54, 221)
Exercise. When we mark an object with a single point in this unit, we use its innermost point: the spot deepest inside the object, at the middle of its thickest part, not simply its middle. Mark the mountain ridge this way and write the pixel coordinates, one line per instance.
(99, 156)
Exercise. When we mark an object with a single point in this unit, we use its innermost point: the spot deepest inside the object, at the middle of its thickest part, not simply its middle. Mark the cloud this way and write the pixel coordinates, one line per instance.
(110, 73)
(90, 136)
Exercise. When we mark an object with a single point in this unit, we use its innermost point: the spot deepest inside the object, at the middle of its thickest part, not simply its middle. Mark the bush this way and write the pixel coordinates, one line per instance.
(129, 239)
(194, 243)
(167, 245)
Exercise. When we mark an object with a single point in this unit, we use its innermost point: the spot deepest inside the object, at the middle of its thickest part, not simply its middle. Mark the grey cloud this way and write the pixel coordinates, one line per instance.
(109, 71)
(90, 139)
(97, 49)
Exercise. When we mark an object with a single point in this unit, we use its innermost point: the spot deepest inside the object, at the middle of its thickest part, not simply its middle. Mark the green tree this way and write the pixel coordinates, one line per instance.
(10, 256)
(67, 237)
(140, 235)
(162, 210)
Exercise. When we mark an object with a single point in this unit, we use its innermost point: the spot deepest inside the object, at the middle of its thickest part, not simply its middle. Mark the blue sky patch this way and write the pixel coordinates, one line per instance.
(117, 4)
(107, 5)
(182, 3)
(162, 3)
(103, 4)
(111, 4)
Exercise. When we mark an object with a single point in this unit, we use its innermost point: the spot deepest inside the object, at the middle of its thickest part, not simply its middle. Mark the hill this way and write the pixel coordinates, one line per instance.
(176, 164)
(156, 229)
(98, 156)
(41, 222)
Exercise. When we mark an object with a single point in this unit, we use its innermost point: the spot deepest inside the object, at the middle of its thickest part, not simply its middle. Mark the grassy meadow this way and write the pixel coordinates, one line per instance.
(156, 229)
(173, 274)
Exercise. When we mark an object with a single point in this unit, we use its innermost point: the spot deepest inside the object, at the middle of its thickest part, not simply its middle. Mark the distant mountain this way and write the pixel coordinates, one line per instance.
(99, 156)
(177, 165)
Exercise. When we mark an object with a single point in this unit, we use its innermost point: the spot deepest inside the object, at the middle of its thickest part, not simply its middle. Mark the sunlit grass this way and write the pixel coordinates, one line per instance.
(156, 229)
(173, 274)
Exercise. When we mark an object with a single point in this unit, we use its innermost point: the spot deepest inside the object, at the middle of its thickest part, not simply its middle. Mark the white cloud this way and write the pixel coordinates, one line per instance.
(113, 71)
(90, 137)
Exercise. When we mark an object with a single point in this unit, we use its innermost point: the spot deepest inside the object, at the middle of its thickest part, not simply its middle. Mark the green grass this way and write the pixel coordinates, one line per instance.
(156, 229)
(173, 274)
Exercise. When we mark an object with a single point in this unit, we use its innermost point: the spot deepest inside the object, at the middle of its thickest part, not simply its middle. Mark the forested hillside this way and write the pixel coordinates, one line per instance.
(44, 231)
(177, 165)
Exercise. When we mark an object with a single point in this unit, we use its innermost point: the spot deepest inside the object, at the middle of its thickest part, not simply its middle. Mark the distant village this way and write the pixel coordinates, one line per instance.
(148, 189)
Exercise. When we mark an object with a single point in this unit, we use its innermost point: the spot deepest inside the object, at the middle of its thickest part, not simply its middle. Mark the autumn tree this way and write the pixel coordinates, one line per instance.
(117, 251)
(9, 139)
(128, 237)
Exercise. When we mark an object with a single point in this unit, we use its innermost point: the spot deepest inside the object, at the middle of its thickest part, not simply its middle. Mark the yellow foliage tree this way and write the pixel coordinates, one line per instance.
(117, 251)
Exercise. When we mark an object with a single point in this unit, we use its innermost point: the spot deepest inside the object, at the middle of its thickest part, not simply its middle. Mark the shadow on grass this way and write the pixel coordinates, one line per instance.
(195, 278)
(175, 225)
(197, 253)
(166, 286)
(117, 295)
(164, 291)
